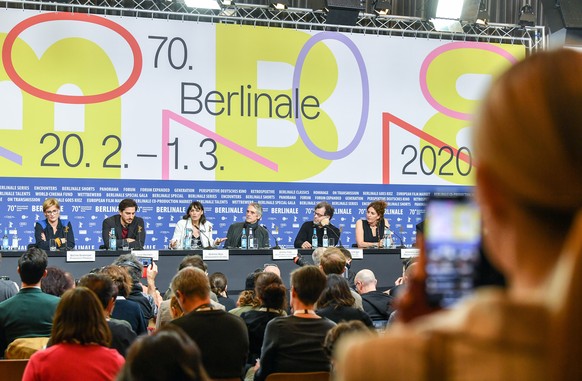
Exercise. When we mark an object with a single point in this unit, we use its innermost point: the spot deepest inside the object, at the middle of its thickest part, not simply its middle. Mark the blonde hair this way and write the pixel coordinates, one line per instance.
(50, 202)
(528, 133)
(529, 138)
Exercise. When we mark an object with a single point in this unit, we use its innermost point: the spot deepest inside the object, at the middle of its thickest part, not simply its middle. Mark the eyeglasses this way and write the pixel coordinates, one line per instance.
(51, 211)
(318, 214)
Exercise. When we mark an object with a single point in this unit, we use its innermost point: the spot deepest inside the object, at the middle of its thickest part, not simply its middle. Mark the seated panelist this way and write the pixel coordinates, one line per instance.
(322, 213)
(52, 228)
(370, 231)
(252, 219)
(194, 223)
(126, 226)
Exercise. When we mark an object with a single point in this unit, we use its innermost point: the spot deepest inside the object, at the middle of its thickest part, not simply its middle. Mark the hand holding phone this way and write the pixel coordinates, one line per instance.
(146, 262)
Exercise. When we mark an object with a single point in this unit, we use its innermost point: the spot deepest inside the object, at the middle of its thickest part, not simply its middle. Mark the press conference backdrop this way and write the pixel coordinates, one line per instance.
(94, 109)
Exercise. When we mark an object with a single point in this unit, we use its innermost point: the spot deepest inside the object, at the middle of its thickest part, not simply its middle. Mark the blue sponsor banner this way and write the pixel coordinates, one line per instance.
(87, 202)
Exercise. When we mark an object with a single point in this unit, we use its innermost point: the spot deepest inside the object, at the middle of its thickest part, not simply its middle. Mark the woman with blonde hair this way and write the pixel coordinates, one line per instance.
(528, 147)
(79, 343)
(52, 228)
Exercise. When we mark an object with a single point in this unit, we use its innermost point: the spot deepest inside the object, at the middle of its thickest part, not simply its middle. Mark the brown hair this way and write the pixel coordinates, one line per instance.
(120, 277)
(168, 354)
(80, 319)
(336, 293)
(308, 283)
(379, 206)
(333, 261)
(270, 289)
(191, 282)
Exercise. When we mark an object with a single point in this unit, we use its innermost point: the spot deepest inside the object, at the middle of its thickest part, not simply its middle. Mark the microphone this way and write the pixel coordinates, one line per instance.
(210, 242)
(339, 240)
(401, 246)
(276, 247)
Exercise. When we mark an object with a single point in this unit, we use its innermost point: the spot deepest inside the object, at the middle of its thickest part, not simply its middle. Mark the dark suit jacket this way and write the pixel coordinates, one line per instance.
(136, 230)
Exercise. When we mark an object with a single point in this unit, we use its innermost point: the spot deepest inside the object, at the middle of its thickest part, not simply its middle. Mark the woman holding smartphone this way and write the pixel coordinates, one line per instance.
(528, 154)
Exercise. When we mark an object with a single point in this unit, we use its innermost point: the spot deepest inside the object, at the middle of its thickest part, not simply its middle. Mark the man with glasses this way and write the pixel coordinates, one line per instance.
(52, 228)
(322, 213)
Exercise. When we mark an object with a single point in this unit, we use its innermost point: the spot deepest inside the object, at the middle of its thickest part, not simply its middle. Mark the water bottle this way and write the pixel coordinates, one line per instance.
(243, 239)
(388, 242)
(112, 240)
(325, 239)
(314, 239)
(15, 240)
(187, 244)
(5, 240)
(252, 240)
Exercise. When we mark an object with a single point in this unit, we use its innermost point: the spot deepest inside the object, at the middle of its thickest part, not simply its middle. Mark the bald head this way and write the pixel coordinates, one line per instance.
(365, 281)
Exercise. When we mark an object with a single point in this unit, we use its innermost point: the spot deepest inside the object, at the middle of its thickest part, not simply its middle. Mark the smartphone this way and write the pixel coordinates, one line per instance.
(146, 262)
(452, 247)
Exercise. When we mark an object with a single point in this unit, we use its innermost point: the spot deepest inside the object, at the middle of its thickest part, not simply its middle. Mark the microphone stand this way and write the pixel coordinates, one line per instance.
(207, 238)
(401, 246)
(276, 247)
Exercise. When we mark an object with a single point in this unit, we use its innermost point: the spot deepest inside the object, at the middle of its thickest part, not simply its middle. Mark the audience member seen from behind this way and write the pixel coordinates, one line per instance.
(322, 213)
(377, 304)
(294, 344)
(125, 309)
(247, 300)
(271, 292)
(333, 261)
(531, 330)
(148, 297)
(30, 312)
(221, 337)
(56, 281)
(336, 301)
(370, 231)
(219, 285)
(194, 227)
(126, 226)
(252, 219)
(52, 228)
(79, 340)
(167, 355)
(121, 333)
(341, 331)
(8, 288)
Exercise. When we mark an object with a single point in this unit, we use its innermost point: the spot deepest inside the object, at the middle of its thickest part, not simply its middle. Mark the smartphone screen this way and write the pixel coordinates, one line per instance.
(145, 261)
(452, 241)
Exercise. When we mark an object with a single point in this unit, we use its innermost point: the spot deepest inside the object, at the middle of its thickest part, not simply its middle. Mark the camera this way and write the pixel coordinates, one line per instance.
(300, 261)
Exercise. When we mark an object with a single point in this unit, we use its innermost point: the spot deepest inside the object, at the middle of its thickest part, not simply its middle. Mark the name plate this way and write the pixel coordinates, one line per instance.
(80, 256)
(153, 254)
(215, 255)
(284, 254)
(357, 253)
(409, 253)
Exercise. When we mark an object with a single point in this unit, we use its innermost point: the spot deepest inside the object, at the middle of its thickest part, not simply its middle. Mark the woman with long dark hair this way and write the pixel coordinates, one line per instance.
(194, 226)
(336, 301)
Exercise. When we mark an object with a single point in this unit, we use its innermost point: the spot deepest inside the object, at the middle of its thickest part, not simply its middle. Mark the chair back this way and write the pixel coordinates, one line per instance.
(12, 370)
(309, 376)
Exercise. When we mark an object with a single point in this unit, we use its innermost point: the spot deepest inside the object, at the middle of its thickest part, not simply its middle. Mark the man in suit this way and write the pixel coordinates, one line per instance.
(252, 221)
(127, 226)
(30, 312)
(222, 337)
